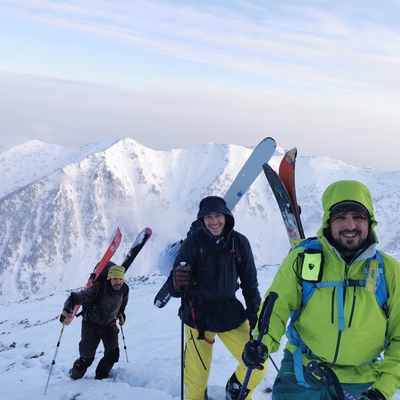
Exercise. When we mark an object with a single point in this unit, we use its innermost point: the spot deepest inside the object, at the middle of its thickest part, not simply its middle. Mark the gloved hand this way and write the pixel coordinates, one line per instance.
(66, 315)
(181, 276)
(371, 394)
(254, 354)
(121, 318)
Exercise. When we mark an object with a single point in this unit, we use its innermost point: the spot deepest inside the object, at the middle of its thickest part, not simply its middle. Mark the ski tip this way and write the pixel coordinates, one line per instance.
(290, 156)
(147, 232)
(269, 139)
(267, 168)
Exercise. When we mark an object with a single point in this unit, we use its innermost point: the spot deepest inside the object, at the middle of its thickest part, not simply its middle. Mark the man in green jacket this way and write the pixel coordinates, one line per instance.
(344, 327)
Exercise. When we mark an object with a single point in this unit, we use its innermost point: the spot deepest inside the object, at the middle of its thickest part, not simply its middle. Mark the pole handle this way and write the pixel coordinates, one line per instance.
(264, 325)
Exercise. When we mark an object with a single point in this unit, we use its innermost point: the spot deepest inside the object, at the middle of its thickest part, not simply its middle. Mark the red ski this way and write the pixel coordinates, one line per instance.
(287, 176)
(112, 248)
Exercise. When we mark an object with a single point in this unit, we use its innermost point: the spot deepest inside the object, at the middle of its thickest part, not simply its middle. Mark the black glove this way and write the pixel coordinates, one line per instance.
(181, 276)
(371, 394)
(254, 355)
(66, 315)
(121, 318)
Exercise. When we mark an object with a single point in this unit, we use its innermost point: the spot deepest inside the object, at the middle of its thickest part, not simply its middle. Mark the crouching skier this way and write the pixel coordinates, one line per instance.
(216, 258)
(102, 304)
(343, 299)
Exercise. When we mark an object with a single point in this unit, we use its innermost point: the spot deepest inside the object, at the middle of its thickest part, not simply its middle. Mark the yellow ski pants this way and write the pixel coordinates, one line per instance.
(198, 357)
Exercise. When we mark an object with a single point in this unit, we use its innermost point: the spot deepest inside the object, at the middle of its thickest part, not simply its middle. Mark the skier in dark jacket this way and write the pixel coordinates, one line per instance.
(100, 324)
(207, 271)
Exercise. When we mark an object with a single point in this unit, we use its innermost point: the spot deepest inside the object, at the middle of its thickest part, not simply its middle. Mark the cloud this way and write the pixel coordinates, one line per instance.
(173, 75)
(310, 43)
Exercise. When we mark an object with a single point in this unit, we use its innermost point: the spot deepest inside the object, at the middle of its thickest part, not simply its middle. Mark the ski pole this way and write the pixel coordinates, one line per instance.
(274, 364)
(54, 358)
(184, 290)
(264, 324)
(123, 339)
(329, 377)
(182, 345)
(268, 389)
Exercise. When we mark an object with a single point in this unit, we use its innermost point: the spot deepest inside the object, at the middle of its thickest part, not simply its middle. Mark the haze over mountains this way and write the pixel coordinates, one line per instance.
(60, 206)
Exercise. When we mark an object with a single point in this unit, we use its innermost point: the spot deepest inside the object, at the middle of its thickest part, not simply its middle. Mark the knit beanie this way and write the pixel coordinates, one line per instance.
(212, 204)
(116, 272)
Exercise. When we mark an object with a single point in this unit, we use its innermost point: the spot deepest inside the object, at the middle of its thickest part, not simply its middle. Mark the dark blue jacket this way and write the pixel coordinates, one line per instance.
(219, 267)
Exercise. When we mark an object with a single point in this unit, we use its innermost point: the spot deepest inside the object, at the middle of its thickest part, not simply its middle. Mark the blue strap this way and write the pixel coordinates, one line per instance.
(298, 368)
(339, 285)
(381, 290)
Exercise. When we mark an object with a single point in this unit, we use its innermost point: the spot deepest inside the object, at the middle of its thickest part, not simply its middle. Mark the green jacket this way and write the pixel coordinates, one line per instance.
(366, 326)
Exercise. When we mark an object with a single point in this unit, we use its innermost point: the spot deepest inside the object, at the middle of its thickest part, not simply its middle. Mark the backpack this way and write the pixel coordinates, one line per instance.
(311, 274)
(90, 307)
(167, 257)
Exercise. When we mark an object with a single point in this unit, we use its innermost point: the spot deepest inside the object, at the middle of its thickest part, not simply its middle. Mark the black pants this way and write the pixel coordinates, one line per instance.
(91, 335)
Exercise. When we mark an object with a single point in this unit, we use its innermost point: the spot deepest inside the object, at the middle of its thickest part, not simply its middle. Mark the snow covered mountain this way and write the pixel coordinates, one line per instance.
(60, 206)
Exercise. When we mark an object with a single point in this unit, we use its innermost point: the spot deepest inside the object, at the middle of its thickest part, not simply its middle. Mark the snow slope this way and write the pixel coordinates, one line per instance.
(30, 331)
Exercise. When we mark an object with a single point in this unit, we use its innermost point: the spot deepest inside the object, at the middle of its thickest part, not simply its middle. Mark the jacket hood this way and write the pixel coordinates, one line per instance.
(216, 204)
(343, 191)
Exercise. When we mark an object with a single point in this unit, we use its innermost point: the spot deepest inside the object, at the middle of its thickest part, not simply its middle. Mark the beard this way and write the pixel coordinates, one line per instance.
(349, 245)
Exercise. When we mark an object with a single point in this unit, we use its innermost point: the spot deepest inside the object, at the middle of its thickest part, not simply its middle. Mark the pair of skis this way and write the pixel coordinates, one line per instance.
(246, 176)
(137, 245)
(283, 187)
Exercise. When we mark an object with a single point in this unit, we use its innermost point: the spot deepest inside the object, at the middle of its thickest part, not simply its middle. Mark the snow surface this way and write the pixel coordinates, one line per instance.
(30, 331)
(149, 370)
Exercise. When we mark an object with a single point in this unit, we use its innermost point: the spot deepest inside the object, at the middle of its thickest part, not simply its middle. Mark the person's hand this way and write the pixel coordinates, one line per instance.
(254, 354)
(66, 316)
(121, 318)
(371, 394)
(181, 275)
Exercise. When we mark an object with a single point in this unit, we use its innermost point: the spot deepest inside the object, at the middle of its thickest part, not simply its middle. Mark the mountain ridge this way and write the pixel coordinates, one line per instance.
(58, 222)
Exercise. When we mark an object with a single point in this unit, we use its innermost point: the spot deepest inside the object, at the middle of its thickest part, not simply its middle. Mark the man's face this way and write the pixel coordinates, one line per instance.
(350, 230)
(215, 223)
(116, 283)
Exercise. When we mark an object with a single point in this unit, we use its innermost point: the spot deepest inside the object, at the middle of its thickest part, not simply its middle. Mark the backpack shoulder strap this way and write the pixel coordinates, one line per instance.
(376, 281)
(236, 251)
(201, 250)
(125, 290)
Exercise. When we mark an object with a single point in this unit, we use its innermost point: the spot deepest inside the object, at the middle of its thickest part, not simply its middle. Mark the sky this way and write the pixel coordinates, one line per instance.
(318, 75)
